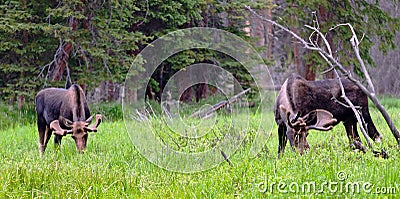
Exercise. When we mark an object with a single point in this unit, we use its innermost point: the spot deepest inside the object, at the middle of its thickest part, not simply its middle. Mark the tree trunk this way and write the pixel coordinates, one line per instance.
(323, 17)
(201, 91)
(269, 35)
(296, 54)
(111, 91)
(186, 94)
(149, 93)
(63, 55)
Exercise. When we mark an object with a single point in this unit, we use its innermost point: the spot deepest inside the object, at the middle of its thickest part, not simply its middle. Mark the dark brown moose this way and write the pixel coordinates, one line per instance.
(64, 111)
(302, 105)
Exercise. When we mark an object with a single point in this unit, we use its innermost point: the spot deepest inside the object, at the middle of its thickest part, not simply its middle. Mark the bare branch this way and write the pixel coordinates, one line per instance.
(335, 63)
(355, 43)
(306, 44)
(323, 38)
(343, 104)
(226, 158)
(356, 113)
(147, 13)
(50, 66)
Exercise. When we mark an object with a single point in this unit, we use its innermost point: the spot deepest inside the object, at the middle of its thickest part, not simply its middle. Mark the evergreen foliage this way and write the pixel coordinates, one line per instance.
(367, 18)
(96, 41)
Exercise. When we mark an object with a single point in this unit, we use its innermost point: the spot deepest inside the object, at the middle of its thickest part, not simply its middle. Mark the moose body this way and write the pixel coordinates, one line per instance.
(302, 105)
(64, 111)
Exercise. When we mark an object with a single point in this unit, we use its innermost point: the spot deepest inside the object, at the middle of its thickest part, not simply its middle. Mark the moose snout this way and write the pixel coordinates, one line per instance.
(80, 145)
(299, 142)
(81, 150)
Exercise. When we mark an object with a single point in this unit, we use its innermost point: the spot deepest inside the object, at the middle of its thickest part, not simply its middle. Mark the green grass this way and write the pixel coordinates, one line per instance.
(113, 168)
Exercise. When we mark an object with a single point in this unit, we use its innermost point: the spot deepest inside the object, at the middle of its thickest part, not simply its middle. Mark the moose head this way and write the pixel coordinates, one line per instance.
(79, 130)
(298, 126)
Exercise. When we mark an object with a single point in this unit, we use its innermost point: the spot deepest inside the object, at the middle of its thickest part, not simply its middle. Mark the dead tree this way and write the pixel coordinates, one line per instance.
(335, 64)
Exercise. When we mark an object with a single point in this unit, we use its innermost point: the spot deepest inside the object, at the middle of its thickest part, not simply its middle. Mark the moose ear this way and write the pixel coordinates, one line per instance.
(320, 119)
(68, 123)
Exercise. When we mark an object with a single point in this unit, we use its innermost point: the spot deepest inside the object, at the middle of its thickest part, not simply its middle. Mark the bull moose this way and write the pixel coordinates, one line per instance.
(302, 105)
(64, 111)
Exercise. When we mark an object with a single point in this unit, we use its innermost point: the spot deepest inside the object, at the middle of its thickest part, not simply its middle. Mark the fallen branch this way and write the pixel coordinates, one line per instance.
(215, 107)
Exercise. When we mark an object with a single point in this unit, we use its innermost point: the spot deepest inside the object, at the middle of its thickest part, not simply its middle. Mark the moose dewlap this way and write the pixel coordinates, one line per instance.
(64, 111)
(302, 105)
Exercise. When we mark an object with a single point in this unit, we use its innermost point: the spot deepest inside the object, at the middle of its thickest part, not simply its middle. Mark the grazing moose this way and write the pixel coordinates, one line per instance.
(64, 111)
(302, 105)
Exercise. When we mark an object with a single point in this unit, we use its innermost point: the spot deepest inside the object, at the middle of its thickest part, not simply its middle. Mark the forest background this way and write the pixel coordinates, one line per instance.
(45, 43)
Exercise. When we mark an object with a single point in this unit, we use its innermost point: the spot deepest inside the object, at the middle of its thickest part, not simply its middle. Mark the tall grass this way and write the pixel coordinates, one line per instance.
(11, 116)
(112, 167)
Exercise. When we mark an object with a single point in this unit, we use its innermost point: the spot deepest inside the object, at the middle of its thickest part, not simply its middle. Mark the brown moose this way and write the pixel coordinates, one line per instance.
(64, 111)
(302, 105)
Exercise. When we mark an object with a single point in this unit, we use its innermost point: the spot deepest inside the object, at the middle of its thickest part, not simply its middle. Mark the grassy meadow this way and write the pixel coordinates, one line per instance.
(112, 167)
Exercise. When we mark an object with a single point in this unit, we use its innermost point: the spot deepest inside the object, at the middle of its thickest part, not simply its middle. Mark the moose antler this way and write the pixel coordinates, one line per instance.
(295, 118)
(68, 123)
(325, 120)
(55, 126)
(95, 125)
(294, 122)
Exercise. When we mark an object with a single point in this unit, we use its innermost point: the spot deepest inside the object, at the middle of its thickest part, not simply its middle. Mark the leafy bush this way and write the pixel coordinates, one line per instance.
(110, 111)
(11, 116)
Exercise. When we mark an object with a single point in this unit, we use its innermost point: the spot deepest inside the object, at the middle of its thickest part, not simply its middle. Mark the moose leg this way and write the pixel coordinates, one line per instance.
(57, 141)
(44, 136)
(372, 131)
(47, 136)
(352, 134)
(357, 140)
(41, 144)
(282, 139)
(351, 130)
